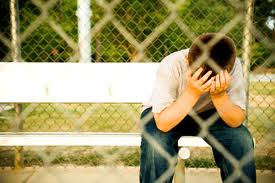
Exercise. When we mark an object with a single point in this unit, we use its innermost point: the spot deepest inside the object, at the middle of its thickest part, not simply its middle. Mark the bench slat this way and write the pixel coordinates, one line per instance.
(76, 82)
(88, 139)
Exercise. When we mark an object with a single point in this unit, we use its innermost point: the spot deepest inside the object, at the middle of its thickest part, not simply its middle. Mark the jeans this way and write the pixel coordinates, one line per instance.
(155, 167)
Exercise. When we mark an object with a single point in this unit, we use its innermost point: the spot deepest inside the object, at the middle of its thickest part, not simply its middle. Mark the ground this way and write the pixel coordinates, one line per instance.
(107, 174)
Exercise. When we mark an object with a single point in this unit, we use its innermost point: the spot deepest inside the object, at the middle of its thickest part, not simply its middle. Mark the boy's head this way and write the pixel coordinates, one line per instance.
(222, 52)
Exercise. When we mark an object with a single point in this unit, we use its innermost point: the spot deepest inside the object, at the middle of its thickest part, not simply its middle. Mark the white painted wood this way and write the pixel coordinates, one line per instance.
(76, 82)
(85, 139)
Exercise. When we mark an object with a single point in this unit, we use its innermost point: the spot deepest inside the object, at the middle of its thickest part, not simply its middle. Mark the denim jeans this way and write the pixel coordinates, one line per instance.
(237, 141)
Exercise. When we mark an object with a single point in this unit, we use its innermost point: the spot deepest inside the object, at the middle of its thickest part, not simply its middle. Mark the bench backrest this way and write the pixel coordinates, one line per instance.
(76, 82)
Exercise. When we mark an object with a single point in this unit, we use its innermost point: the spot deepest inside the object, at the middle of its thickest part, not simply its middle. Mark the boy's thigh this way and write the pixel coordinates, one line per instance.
(189, 126)
(232, 136)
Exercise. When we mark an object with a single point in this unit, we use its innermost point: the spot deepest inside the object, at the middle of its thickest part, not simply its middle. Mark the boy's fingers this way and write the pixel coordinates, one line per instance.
(212, 89)
(207, 84)
(222, 79)
(217, 82)
(205, 77)
(197, 73)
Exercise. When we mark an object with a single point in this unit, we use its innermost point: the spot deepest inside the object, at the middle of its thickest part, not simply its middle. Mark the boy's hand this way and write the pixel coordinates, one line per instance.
(196, 85)
(220, 83)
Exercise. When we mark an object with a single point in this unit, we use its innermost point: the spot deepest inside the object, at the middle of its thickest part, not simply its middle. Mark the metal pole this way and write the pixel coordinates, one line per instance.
(15, 43)
(246, 49)
(84, 30)
(15, 48)
(179, 176)
(18, 161)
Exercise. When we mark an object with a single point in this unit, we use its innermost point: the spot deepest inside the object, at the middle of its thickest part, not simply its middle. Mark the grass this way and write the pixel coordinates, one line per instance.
(261, 120)
(129, 157)
(265, 162)
(67, 118)
(262, 88)
(48, 118)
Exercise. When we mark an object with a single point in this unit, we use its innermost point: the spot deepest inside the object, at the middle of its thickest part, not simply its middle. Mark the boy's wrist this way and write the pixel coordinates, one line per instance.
(190, 98)
(219, 95)
(220, 101)
(193, 94)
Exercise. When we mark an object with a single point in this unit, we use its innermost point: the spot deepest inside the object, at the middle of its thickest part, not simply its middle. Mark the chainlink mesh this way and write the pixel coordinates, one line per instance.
(133, 31)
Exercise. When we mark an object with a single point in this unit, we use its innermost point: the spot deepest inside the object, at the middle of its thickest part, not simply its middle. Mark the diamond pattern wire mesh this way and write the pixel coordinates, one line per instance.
(131, 31)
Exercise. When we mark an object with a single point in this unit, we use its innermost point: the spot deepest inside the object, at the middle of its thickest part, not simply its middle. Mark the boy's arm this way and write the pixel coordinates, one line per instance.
(231, 113)
(173, 114)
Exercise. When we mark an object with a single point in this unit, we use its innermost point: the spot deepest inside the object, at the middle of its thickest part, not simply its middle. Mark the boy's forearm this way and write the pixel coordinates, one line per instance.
(195, 87)
(232, 114)
(172, 115)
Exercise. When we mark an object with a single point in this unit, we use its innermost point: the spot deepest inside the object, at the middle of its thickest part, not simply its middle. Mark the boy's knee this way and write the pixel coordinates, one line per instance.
(151, 131)
(154, 134)
(243, 138)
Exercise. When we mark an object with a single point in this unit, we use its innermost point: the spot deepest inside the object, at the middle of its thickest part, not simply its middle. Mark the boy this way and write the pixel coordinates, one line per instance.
(206, 79)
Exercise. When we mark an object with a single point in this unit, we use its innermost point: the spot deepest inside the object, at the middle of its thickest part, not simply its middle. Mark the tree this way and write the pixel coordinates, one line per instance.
(140, 18)
(263, 12)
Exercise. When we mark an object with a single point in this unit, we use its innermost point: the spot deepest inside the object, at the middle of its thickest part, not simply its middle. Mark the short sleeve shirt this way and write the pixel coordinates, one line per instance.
(171, 81)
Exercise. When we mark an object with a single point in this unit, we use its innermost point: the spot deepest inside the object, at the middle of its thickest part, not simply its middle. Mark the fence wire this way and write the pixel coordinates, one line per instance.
(132, 31)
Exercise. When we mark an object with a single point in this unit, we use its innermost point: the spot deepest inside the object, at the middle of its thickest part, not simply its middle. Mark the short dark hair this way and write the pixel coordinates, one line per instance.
(222, 52)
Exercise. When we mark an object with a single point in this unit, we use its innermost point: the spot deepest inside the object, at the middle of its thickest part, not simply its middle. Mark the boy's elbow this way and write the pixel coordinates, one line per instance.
(161, 124)
(235, 125)
(162, 128)
(237, 122)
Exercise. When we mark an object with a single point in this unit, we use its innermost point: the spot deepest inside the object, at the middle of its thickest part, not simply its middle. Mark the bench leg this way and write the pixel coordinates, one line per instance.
(18, 161)
(179, 176)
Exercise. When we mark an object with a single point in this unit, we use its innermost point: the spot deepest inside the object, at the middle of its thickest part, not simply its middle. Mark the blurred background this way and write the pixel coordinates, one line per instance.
(131, 31)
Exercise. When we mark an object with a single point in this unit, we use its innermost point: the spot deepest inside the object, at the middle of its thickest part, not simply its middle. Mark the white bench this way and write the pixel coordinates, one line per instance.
(78, 83)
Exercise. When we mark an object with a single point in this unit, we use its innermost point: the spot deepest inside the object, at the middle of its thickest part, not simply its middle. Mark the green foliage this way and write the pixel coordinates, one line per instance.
(140, 18)
(169, 41)
(259, 54)
(263, 10)
(207, 16)
(7, 158)
(64, 13)
(28, 13)
(45, 45)
(262, 162)
(200, 163)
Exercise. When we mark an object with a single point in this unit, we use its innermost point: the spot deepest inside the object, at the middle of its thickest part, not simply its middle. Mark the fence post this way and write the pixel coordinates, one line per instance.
(246, 48)
(84, 30)
(15, 43)
(15, 48)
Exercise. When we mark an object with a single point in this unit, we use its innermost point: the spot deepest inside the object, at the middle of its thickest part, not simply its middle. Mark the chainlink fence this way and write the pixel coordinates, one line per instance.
(130, 31)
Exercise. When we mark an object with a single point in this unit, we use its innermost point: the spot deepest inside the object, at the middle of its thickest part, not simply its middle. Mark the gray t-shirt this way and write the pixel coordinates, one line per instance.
(170, 83)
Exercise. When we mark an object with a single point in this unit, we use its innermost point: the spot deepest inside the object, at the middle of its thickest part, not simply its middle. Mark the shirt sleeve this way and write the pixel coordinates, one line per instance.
(236, 91)
(165, 87)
